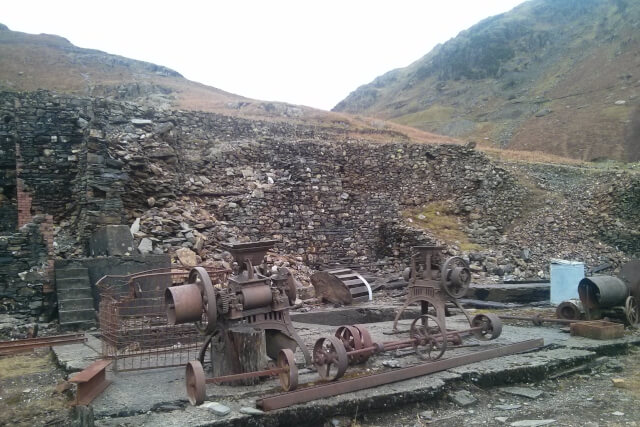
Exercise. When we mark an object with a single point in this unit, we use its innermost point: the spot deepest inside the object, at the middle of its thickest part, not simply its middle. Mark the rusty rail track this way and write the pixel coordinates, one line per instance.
(20, 346)
(308, 394)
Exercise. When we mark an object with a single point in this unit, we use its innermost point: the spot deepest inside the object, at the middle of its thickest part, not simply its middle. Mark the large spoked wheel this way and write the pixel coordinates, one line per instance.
(365, 342)
(196, 384)
(430, 337)
(490, 324)
(330, 358)
(289, 375)
(632, 311)
(455, 277)
(351, 339)
(200, 277)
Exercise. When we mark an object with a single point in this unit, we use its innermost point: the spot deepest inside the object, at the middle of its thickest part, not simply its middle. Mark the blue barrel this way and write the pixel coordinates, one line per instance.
(565, 276)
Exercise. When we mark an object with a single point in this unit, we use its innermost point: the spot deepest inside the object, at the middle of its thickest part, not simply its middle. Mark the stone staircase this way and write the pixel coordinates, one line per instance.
(75, 298)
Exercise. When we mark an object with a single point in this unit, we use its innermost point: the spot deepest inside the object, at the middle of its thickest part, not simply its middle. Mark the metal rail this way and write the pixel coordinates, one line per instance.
(538, 320)
(308, 394)
(19, 346)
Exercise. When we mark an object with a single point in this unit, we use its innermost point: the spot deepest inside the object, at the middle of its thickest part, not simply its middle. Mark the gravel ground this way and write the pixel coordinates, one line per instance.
(585, 398)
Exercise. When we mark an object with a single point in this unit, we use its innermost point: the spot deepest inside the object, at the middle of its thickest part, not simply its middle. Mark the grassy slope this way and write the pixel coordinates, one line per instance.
(554, 91)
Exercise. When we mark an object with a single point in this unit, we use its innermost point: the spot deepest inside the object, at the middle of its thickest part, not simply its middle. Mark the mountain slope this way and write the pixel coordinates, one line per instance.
(561, 76)
(29, 62)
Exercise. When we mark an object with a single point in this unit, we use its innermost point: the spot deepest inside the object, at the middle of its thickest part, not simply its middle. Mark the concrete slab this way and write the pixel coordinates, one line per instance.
(158, 397)
(76, 357)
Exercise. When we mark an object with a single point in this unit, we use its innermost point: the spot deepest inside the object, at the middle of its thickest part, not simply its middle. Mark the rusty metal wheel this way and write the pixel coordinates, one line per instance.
(289, 375)
(365, 340)
(330, 358)
(200, 277)
(455, 277)
(491, 326)
(350, 337)
(632, 311)
(196, 383)
(430, 337)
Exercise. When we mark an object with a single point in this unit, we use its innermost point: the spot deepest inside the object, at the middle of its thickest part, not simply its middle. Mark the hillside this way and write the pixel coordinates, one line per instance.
(29, 62)
(559, 76)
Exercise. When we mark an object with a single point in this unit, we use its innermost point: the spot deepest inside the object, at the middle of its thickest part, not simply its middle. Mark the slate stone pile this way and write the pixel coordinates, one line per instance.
(192, 180)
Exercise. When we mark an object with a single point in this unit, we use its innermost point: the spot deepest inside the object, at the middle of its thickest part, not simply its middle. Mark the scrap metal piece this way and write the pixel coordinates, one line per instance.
(424, 340)
(455, 277)
(570, 310)
(365, 341)
(538, 320)
(251, 296)
(330, 358)
(351, 339)
(341, 286)
(491, 326)
(602, 292)
(24, 345)
(597, 329)
(134, 327)
(308, 394)
(196, 382)
(289, 374)
(632, 311)
(91, 381)
(434, 283)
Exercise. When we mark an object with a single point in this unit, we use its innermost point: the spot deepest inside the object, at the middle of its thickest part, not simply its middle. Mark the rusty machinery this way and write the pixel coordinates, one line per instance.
(350, 345)
(353, 345)
(285, 369)
(434, 282)
(249, 298)
(599, 293)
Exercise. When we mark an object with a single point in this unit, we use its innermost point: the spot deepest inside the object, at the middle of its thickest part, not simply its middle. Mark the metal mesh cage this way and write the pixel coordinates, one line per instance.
(134, 330)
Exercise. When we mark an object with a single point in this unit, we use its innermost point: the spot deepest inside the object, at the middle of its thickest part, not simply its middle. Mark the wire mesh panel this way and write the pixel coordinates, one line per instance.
(133, 321)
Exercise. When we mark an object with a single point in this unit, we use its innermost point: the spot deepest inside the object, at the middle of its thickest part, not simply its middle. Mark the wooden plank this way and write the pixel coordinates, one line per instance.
(360, 290)
(353, 282)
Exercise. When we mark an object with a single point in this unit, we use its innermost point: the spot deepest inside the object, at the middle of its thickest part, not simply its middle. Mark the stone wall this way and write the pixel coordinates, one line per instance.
(25, 269)
(321, 193)
(195, 179)
(8, 183)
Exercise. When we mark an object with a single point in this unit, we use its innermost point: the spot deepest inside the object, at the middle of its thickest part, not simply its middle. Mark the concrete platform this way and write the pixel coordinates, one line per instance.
(158, 397)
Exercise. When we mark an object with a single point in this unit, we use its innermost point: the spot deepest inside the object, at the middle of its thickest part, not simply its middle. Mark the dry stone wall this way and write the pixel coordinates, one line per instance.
(24, 270)
(195, 179)
(321, 193)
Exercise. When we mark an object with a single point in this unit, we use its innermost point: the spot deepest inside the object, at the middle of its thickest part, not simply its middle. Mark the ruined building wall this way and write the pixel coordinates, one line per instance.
(321, 193)
(191, 175)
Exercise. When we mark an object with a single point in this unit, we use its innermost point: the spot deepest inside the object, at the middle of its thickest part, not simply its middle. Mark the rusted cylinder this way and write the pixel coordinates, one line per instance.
(602, 292)
(570, 309)
(256, 296)
(184, 304)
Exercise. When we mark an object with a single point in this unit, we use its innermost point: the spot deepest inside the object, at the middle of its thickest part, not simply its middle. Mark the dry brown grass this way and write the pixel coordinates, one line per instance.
(439, 219)
(529, 156)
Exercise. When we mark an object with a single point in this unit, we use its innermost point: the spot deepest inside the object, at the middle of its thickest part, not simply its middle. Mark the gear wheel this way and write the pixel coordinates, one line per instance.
(224, 302)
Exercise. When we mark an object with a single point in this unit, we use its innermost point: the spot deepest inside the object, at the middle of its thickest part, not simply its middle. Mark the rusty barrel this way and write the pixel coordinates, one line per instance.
(602, 292)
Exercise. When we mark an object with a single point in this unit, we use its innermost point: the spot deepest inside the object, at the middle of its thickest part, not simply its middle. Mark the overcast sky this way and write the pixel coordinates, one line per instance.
(303, 52)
